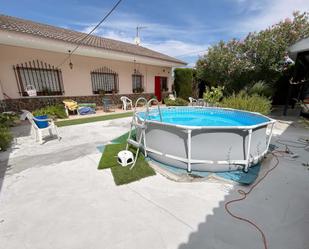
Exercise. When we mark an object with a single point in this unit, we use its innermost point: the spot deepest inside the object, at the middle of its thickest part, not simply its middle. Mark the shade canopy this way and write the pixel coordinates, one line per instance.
(299, 47)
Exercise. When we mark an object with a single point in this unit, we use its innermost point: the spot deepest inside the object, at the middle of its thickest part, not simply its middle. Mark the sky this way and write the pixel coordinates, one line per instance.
(180, 28)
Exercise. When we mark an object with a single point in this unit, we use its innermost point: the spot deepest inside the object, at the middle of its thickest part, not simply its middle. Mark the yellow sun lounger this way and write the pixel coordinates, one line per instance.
(70, 105)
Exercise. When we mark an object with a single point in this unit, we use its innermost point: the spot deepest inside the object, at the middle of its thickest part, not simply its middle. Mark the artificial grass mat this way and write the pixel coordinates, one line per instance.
(109, 159)
(123, 175)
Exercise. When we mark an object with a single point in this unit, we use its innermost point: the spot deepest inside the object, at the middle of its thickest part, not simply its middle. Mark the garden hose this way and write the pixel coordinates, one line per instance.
(302, 142)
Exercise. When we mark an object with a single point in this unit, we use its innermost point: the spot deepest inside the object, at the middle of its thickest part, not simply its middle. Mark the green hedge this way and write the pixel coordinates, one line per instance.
(183, 82)
(252, 103)
(176, 102)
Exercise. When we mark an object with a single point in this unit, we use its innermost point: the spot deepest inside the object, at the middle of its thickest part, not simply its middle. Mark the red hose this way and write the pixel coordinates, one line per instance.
(244, 196)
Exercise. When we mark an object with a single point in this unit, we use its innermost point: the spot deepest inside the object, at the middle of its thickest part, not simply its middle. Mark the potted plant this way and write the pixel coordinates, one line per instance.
(40, 115)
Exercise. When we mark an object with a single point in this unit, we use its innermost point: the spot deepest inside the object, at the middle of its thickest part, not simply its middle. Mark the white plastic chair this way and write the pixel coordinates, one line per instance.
(171, 97)
(193, 101)
(31, 91)
(126, 103)
(39, 131)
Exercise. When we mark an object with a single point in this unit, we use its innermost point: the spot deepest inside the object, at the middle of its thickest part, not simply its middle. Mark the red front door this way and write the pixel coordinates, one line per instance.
(158, 87)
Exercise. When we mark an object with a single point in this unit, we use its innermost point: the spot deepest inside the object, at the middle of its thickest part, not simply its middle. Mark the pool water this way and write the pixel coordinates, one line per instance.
(190, 116)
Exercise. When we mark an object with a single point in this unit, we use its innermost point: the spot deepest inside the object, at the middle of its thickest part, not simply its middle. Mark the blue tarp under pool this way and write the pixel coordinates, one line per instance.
(237, 176)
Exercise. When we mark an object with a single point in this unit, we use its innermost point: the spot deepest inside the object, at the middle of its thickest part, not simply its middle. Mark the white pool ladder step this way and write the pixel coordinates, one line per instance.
(134, 143)
(135, 123)
(134, 126)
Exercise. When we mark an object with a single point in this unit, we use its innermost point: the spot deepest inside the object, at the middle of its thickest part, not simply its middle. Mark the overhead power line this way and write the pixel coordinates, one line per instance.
(87, 35)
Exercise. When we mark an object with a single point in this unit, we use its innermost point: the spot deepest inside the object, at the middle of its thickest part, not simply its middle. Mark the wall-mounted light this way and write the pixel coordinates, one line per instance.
(134, 65)
(70, 63)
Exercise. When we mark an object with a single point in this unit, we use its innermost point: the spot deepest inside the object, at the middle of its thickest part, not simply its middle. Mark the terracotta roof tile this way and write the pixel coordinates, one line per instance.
(9, 23)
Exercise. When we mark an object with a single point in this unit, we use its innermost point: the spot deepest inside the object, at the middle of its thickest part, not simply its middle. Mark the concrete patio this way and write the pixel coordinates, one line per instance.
(53, 197)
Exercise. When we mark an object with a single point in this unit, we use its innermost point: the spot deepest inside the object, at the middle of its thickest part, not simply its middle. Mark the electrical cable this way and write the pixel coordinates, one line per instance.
(87, 35)
(302, 143)
(244, 195)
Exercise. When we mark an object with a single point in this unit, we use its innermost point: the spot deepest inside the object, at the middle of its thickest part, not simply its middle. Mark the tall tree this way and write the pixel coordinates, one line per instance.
(183, 79)
(239, 63)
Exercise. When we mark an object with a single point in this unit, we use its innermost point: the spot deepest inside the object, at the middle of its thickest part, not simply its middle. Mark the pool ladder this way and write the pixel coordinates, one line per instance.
(141, 125)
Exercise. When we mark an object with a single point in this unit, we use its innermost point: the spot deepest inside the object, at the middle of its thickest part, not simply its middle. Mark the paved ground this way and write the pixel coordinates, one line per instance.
(53, 196)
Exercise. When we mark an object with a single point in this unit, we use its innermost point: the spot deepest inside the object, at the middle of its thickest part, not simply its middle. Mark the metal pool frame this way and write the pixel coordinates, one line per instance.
(188, 160)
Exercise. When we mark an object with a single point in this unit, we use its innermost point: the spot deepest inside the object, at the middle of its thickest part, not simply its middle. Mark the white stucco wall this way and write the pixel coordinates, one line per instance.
(77, 82)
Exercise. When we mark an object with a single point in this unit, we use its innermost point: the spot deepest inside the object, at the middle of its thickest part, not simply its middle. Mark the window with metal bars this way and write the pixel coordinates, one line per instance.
(44, 78)
(137, 83)
(104, 80)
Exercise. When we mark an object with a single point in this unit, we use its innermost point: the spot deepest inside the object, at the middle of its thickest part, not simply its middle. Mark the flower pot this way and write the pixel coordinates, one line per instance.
(41, 124)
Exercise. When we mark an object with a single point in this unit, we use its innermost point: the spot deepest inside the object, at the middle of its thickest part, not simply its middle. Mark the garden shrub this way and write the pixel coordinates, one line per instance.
(53, 111)
(183, 82)
(213, 95)
(5, 137)
(176, 102)
(8, 119)
(261, 88)
(252, 103)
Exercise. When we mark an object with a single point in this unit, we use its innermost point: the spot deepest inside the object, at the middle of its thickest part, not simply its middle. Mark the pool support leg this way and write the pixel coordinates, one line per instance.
(144, 140)
(270, 135)
(189, 151)
(246, 168)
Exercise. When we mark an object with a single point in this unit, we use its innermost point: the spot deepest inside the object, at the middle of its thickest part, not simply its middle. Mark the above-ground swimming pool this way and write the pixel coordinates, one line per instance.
(204, 138)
